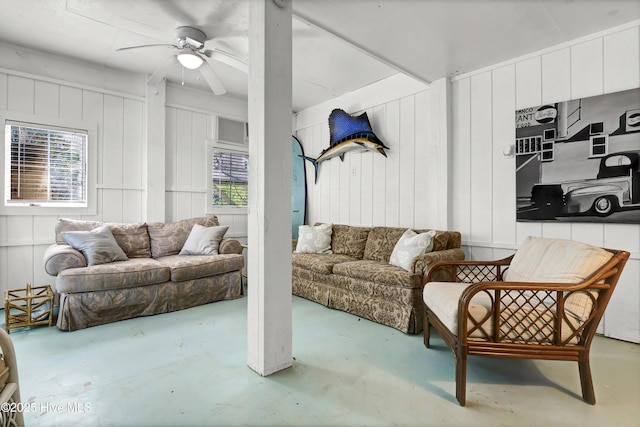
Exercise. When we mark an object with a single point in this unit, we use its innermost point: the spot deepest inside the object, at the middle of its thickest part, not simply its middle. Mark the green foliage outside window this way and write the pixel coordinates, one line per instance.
(230, 174)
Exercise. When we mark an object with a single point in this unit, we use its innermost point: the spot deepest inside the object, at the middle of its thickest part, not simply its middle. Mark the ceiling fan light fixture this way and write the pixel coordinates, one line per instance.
(190, 60)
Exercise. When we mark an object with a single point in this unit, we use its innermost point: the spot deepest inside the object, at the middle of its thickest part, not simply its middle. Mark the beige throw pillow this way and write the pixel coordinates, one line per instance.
(410, 245)
(98, 245)
(204, 240)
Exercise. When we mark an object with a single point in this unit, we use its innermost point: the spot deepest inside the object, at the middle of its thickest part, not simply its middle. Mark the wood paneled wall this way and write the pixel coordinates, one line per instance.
(367, 188)
(120, 121)
(483, 180)
(188, 130)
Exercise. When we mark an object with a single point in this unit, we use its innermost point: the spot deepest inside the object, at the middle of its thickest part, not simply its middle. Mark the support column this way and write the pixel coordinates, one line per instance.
(269, 295)
(155, 153)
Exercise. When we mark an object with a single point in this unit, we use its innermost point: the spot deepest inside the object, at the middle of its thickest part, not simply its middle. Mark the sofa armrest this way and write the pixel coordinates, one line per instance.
(230, 246)
(62, 257)
(423, 263)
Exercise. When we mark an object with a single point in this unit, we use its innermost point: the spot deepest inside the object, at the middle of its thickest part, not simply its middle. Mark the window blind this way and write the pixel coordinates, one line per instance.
(230, 175)
(46, 165)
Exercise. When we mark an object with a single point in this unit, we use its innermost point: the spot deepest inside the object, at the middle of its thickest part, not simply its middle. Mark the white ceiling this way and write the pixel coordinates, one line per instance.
(339, 45)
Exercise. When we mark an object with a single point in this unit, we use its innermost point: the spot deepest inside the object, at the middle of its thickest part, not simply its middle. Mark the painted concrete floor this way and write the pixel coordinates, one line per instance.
(189, 369)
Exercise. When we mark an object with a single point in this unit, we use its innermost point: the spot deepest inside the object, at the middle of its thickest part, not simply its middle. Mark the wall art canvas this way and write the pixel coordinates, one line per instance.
(579, 160)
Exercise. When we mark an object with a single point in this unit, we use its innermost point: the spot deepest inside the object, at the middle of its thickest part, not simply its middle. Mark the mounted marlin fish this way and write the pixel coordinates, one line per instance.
(348, 133)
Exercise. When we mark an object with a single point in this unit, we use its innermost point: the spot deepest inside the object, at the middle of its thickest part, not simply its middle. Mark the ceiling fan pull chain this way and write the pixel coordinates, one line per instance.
(182, 75)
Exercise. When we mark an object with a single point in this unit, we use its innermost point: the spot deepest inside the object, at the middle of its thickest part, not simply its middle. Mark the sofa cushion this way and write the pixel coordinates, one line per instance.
(132, 238)
(321, 263)
(381, 242)
(454, 240)
(558, 261)
(534, 321)
(168, 238)
(197, 266)
(555, 260)
(378, 272)
(68, 224)
(116, 275)
(347, 240)
(98, 245)
(443, 240)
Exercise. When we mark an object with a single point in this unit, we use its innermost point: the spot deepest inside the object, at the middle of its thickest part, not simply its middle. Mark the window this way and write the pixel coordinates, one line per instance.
(228, 168)
(230, 178)
(549, 134)
(598, 145)
(547, 151)
(528, 145)
(45, 165)
(596, 128)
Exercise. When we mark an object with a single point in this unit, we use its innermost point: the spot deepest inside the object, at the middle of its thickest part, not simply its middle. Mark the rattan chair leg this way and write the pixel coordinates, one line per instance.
(586, 381)
(461, 378)
(427, 330)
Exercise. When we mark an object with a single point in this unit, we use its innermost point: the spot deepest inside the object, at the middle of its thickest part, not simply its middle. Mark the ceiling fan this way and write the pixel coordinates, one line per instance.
(192, 55)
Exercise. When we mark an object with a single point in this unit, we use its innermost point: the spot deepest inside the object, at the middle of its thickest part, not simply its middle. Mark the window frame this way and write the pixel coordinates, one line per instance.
(599, 140)
(8, 117)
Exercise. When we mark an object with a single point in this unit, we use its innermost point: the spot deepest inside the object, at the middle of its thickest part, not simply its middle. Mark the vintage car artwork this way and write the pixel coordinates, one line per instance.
(616, 188)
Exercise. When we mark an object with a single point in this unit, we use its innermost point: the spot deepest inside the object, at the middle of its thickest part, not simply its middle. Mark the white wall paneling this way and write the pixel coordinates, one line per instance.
(406, 156)
(26, 236)
(379, 168)
(503, 134)
(528, 82)
(461, 157)
(483, 182)
(20, 94)
(621, 66)
(132, 144)
(70, 103)
(391, 134)
(366, 184)
(408, 188)
(556, 76)
(47, 97)
(587, 65)
(186, 171)
(3, 91)
(481, 151)
(112, 145)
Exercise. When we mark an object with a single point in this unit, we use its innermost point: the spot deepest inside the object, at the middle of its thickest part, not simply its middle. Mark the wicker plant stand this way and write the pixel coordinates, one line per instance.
(28, 307)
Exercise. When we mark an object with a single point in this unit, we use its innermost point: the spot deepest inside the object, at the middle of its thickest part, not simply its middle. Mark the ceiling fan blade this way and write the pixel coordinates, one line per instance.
(210, 76)
(227, 58)
(162, 71)
(147, 45)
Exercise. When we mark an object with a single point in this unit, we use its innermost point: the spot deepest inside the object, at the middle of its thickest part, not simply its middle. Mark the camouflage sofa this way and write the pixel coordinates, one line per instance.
(357, 277)
(154, 279)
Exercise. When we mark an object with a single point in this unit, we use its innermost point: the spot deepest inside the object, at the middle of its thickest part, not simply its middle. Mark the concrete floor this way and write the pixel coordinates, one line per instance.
(189, 369)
